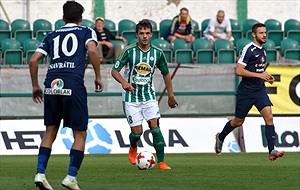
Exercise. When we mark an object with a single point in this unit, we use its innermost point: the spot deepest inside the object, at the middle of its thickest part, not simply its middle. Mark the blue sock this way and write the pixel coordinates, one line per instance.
(43, 157)
(76, 157)
(226, 130)
(270, 135)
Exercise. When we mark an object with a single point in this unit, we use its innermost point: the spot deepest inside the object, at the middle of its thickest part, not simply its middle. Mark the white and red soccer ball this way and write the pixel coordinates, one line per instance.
(145, 160)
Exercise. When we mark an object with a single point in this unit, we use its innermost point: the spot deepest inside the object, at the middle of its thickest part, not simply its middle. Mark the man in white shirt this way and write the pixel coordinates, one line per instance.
(218, 27)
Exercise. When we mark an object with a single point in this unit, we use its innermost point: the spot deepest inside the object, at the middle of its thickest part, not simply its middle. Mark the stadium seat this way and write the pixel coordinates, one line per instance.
(4, 30)
(111, 26)
(240, 43)
(154, 30)
(292, 29)
(11, 52)
(274, 31)
(41, 28)
(247, 28)
(164, 26)
(289, 49)
(133, 41)
(88, 23)
(59, 23)
(126, 28)
(21, 30)
(236, 30)
(203, 51)
(165, 47)
(271, 51)
(29, 47)
(182, 51)
(197, 32)
(224, 51)
(204, 25)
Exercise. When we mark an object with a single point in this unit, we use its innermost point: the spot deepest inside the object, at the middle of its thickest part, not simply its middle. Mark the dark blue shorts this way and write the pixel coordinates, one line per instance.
(245, 99)
(65, 98)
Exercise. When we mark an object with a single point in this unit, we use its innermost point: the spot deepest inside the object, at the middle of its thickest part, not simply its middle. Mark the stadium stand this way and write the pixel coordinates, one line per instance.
(29, 47)
(274, 31)
(271, 51)
(224, 51)
(88, 23)
(204, 25)
(203, 51)
(236, 30)
(111, 26)
(182, 51)
(11, 52)
(21, 30)
(165, 47)
(155, 31)
(292, 29)
(290, 49)
(197, 31)
(247, 28)
(41, 28)
(126, 28)
(240, 43)
(59, 23)
(5, 32)
(163, 27)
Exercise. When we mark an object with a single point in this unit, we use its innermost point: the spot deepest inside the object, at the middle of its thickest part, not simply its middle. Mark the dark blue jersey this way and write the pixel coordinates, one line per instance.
(254, 59)
(67, 48)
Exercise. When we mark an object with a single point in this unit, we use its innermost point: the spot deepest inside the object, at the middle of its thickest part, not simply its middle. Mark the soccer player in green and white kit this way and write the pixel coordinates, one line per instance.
(138, 96)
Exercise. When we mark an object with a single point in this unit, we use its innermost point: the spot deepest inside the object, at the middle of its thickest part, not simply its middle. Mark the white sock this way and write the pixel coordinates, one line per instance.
(43, 175)
(72, 178)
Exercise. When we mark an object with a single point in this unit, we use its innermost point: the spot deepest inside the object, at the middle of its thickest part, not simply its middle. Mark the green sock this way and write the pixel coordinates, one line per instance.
(158, 143)
(134, 138)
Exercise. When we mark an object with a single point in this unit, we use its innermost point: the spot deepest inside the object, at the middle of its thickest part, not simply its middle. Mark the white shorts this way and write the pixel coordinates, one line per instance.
(223, 36)
(137, 111)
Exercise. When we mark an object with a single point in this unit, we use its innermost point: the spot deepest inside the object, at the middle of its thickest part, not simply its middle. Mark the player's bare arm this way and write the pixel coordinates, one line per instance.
(241, 71)
(37, 93)
(125, 85)
(171, 98)
(94, 57)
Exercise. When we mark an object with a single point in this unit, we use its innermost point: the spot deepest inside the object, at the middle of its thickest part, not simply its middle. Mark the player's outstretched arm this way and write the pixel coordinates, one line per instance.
(94, 57)
(125, 85)
(37, 93)
(171, 98)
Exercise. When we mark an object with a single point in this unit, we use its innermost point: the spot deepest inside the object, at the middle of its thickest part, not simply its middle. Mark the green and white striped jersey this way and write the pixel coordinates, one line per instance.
(139, 70)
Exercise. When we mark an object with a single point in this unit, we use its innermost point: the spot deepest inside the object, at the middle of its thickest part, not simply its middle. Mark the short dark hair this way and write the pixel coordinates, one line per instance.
(72, 12)
(257, 25)
(145, 23)
(184, 9)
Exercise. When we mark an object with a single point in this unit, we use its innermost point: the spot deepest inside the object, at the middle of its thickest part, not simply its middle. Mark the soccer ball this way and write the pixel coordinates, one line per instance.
(145, 160)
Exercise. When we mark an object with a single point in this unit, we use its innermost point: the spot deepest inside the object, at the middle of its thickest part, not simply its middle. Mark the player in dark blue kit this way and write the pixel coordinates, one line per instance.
(252, 90)
(65, 95)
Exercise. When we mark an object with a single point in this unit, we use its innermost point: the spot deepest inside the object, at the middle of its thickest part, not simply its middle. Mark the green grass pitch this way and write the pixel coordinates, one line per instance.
(189, 171)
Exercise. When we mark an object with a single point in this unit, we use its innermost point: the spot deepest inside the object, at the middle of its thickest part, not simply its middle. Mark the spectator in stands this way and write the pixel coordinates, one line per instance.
(106, 49)
(181, 27)
(219, 27)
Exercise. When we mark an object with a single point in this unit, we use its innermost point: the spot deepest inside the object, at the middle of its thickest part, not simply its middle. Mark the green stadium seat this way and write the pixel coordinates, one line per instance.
(224, 51)
(11, 52)
(133, 41)
(203, 51)
(197, 32)
(5, 32)
(59, 23)
(274, 31)
(41, 28)
(240, 43)
(126, 28)
(291, 24)
(247, 28)
(164, 26)
(165, 47)
(29, 47)
(88, 23)
(236, 30)
(111, 26)
(204, 25)
(271, 51)
(21, 30)
(155, 31)
(182, 51)
(289, 49)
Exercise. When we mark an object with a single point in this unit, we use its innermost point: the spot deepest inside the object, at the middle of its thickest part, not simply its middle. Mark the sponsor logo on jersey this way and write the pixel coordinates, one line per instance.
(143, 68)
(140, 80)
(57, 88)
